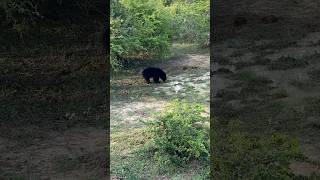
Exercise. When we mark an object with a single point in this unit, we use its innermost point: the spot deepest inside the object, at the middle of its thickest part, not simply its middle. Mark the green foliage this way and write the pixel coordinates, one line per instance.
(145, 29)
(192, 21)
(179, 134)
(140, 29)
(238, 155)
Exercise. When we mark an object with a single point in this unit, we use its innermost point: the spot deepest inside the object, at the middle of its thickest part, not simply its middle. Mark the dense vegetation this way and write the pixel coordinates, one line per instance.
(145, 29)
(175, 144)
(179, 133)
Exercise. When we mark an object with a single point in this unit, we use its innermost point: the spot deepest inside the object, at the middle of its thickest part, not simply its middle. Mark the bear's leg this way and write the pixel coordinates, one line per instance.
(156, 79)
(146, 78)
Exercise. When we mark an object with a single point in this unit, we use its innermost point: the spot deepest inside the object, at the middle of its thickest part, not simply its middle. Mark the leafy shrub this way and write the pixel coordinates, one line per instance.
(191, 22)
(140, 29)
(179, 134)
(238, 155)
(144, 29)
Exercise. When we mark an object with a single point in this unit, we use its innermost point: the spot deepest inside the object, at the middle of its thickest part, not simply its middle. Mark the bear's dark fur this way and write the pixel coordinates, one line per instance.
(154, 73)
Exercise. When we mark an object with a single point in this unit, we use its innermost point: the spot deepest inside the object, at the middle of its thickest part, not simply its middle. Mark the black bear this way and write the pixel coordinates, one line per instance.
(154, 73)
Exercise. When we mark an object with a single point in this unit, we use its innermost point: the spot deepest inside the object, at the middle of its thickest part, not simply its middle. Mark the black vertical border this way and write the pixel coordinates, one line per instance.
(212, 12)
(106, 63)
(217, 9)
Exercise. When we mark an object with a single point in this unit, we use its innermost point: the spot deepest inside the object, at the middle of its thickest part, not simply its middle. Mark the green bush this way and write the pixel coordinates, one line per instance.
(145, 29)
(140, 29)
(191, 22)
(238, 155)
(179, 133)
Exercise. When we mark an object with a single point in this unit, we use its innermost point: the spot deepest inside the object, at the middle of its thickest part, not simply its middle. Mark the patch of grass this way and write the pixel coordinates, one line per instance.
(137, 154)
(142, 165)
(134, 166)
(134, 156)
(127, 159)
(238, 155)
(126, 142)
(259, 115)
(179, 49)
(285, 63)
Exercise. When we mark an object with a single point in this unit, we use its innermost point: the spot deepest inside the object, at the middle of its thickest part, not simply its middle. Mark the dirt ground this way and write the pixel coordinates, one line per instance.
(53, 117)
(190, 73)
(266, 70)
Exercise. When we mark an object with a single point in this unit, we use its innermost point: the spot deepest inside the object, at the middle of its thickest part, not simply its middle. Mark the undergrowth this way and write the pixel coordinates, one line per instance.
(238, 155)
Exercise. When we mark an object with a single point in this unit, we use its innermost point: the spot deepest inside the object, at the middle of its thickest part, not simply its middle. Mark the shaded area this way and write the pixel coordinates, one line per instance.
(265, 73)
(53, 112)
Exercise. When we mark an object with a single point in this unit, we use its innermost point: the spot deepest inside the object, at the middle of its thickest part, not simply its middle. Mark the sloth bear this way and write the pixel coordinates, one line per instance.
(154, 73)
